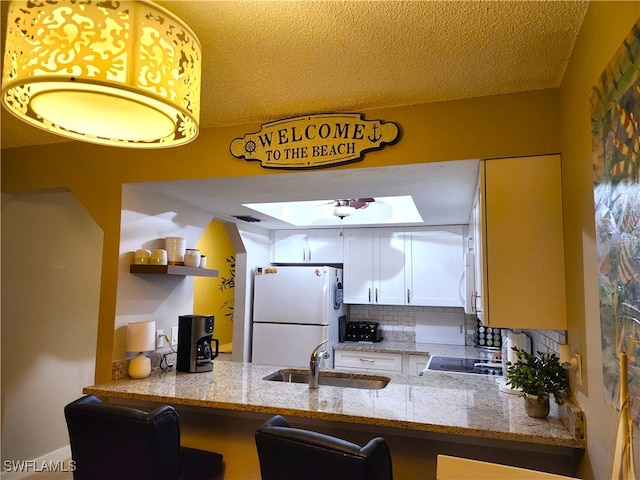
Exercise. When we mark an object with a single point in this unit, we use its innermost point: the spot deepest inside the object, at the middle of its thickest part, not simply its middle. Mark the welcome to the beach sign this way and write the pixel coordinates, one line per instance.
(314, 141)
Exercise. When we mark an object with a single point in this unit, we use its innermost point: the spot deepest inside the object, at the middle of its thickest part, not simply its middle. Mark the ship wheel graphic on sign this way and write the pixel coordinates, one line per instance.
(250, 146)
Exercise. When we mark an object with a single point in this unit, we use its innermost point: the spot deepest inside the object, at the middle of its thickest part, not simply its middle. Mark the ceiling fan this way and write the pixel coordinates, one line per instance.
(345, 207)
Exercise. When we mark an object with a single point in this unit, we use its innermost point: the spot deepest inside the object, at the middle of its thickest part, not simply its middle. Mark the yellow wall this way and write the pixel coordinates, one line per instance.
(210, 297)
(48, 319)
(496, 126)
(605, 27)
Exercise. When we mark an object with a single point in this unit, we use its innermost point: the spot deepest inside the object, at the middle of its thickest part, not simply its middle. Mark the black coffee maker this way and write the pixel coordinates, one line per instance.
(195, 335)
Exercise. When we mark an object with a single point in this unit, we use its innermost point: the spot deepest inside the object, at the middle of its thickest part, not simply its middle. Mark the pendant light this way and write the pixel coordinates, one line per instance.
(117, 73)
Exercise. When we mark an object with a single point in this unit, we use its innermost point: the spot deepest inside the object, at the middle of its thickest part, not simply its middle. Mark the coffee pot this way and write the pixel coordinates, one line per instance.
(195, 337)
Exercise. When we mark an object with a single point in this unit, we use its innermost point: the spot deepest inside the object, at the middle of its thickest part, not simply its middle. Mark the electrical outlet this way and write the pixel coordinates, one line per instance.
(159, 338)
(578, 358)
(174, 336)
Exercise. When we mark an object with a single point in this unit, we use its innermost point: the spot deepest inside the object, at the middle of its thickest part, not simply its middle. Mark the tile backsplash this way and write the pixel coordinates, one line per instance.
(398, 323)
(120, 368)
(546, 341)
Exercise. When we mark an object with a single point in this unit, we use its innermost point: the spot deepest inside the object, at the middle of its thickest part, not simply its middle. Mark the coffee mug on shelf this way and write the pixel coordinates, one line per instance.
(159, 257)
(142, 256)
(192, 257)
(175, 247)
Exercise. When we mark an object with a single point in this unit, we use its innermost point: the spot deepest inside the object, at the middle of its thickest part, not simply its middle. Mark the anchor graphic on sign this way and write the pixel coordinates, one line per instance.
(374, 138)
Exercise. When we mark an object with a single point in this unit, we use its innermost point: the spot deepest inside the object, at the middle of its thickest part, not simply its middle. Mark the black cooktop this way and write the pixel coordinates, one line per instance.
(476, 366)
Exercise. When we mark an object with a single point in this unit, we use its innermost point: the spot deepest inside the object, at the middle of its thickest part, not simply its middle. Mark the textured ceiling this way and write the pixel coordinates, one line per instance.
(265, 60)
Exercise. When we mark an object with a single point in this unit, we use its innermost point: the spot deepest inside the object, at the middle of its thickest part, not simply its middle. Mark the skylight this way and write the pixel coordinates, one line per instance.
(318, 213)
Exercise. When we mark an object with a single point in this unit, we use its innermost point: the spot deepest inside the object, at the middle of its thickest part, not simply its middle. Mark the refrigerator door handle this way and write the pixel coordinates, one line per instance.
(325, 300)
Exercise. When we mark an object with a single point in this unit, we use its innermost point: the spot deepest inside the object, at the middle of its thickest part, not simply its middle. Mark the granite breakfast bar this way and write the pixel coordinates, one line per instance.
(463, 415)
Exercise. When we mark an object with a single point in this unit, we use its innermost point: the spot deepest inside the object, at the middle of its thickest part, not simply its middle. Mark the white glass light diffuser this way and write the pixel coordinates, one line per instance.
(343, 211)
(115, 73)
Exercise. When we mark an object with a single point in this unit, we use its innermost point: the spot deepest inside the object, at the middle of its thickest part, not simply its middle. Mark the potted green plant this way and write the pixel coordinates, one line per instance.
(538, 376)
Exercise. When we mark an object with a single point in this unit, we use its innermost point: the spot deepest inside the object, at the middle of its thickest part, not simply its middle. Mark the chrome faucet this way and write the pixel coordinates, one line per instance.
(314, 365)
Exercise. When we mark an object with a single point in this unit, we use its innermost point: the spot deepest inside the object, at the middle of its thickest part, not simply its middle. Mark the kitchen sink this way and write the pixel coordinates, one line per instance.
(334, 379)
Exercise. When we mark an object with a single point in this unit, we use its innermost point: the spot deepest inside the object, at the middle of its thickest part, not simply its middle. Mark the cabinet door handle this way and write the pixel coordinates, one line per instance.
(368, 360)
(408, 295)
(473, 302)
(304, 255)
(309, 254)
(376, 295)
(369, 295)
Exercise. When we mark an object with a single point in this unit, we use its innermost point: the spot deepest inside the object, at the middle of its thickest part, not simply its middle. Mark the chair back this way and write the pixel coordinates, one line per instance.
(111, 442)
(287, 453)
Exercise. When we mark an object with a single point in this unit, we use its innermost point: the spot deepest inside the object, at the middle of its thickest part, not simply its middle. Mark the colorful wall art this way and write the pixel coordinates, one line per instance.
(615, 117)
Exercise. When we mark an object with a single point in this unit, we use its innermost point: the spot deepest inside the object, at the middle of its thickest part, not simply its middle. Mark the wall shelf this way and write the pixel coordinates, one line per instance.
(173, 270)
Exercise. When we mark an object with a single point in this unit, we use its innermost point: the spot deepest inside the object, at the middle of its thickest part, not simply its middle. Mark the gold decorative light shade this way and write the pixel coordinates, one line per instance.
(118, 73)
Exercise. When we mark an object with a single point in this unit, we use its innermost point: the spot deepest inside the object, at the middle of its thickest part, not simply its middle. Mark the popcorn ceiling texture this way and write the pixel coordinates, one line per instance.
(267, 60)
(272, 60)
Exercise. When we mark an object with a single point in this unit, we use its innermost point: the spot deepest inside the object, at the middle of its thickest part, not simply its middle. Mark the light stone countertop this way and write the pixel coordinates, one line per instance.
(445, 403)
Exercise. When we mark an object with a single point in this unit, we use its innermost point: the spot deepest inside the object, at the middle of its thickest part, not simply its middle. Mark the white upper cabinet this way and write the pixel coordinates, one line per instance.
(413, 266)
(389, 260)
(434, 266)
(317, 246)
(374, 266)
(358, 266)
(289, 246)
(325, 246)
(522, 243)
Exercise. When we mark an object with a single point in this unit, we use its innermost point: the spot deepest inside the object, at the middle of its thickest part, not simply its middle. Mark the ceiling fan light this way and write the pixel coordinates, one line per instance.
(112, 73)
(343, 211)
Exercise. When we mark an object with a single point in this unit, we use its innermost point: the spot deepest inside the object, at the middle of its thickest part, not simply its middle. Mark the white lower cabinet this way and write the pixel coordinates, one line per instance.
(373, 361)
(380, 362)
(415, 364)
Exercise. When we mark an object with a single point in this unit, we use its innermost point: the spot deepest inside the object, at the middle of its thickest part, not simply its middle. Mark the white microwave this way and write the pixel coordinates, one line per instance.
(467, 283)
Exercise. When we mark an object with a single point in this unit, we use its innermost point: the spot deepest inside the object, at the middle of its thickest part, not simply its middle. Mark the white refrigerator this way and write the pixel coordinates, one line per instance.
(294, 309)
